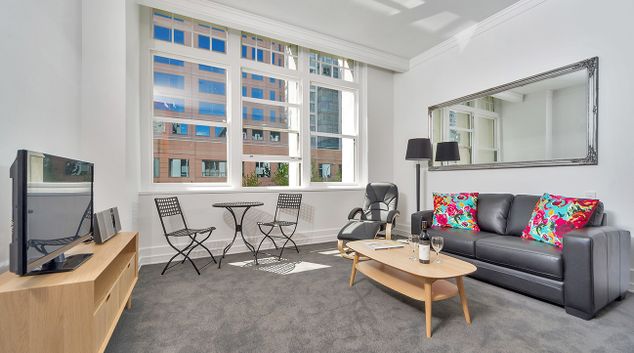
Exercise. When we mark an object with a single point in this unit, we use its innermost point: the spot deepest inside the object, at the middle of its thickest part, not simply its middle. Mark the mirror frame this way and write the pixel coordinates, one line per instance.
(592, 108)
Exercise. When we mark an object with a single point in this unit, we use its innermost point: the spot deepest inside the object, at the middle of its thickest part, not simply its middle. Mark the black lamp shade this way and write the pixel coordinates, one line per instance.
(418, 149)
(447, 151)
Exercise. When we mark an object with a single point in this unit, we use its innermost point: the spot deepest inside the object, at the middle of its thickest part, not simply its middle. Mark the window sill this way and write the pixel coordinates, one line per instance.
(188, 190)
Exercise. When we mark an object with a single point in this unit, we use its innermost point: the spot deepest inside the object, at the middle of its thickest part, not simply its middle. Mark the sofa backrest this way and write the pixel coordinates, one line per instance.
(520, 213)
(522, 209)
(493, 211)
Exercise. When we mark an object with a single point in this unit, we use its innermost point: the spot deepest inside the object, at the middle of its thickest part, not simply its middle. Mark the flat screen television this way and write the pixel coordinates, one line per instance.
(52, 212)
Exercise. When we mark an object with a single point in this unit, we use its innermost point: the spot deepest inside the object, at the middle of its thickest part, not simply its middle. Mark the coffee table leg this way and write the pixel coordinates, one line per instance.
(355, 261)
(427, 286)
(463, 298)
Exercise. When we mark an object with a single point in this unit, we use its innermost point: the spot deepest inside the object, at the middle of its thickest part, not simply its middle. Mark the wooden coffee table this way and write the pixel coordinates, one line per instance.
(428, 283)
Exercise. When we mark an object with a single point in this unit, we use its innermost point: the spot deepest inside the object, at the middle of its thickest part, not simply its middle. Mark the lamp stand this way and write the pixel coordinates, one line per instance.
(417, 186)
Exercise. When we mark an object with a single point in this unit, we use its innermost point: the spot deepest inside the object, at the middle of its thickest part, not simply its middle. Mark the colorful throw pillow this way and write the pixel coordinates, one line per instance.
(556, 215)
(456, 210)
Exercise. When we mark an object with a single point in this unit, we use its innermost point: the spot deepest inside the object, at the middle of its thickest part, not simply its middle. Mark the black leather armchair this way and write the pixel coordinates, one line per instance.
(377, 217)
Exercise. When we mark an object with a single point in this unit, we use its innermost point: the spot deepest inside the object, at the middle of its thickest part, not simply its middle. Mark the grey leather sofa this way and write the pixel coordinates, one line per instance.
(591, 270)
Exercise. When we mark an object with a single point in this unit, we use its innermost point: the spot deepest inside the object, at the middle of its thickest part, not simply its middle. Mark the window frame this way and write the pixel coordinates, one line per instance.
(232, 62)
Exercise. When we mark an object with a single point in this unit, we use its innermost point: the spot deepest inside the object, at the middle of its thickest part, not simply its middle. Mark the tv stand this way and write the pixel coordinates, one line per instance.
(74, 311)
(61, 263)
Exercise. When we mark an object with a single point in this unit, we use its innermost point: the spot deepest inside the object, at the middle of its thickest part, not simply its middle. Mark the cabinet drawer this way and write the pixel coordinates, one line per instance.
(105, 315)
(127, 277)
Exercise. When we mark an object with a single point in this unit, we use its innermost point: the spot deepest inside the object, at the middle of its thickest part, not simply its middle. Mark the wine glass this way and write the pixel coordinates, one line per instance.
(437, 243)
(413, 244)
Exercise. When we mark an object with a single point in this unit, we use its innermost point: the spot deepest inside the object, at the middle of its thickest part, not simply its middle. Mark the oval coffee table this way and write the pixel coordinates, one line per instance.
(428, 283)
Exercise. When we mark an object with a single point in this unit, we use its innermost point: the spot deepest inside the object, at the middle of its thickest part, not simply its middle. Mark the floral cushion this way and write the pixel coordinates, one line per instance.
(556, 215)
(456, 210)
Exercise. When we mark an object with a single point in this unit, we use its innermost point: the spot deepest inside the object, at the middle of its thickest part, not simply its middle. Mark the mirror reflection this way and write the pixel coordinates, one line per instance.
(544, 120)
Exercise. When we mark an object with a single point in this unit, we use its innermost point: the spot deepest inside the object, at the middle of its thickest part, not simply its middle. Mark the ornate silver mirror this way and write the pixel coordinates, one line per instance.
(548, 119)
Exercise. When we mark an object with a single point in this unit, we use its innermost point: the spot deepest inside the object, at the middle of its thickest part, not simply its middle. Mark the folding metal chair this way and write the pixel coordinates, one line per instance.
(168, 207)
(290, 205)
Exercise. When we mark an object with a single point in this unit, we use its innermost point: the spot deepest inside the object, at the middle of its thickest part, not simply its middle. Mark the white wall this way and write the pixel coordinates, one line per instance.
(380, 95)
(552, 34)
(39, 89)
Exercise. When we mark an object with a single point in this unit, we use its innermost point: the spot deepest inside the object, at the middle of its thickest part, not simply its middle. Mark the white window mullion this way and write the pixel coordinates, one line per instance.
(234, 136)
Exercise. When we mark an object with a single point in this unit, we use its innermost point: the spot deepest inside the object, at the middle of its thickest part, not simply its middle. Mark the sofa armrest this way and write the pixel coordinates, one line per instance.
(596, 268)
(354, 211)
(420, 216)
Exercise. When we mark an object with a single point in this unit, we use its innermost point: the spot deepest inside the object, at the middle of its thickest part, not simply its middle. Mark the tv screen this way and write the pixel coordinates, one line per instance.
(53, 202)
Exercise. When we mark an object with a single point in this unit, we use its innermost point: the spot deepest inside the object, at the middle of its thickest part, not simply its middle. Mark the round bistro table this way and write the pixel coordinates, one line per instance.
(231, 207)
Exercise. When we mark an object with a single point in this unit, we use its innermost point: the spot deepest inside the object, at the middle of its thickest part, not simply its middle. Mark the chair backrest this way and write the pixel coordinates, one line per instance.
(291, 202)
(167, 207)
(380, 199)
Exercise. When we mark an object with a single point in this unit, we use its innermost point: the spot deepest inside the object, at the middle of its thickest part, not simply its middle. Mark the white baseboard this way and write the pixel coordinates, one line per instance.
(162, 253)
(4, 266)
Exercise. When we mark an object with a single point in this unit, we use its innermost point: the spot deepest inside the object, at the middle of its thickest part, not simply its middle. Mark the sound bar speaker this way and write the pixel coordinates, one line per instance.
(107, 225)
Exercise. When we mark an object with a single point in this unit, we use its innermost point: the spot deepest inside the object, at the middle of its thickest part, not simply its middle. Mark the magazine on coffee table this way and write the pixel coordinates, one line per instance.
(383, 245)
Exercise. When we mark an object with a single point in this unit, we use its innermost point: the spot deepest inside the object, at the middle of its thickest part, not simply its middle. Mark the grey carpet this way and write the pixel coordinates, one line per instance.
(243, 310)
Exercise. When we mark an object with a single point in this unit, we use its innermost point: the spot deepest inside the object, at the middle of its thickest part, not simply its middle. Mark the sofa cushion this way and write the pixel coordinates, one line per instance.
(457, 210)
(520, 213)
(555, 215)
(596, 219)
(459, 241)
(526, 255)
(493, 210)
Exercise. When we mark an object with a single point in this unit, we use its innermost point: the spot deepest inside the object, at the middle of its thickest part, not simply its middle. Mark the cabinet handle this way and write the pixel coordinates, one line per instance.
(129, 264)
(108, 297)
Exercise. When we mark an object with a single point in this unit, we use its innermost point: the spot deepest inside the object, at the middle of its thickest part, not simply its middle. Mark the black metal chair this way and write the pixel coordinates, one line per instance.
(377, 217)
(290, 205)
(169, 207)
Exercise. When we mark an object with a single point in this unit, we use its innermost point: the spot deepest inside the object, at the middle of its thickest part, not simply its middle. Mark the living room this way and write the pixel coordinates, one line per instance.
(250, 113)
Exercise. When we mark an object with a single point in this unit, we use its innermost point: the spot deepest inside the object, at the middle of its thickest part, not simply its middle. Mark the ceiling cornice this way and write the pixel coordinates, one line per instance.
(490, 22)
(245, 21)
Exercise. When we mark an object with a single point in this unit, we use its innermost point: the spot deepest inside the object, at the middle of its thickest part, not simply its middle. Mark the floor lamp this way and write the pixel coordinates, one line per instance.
(418, 150)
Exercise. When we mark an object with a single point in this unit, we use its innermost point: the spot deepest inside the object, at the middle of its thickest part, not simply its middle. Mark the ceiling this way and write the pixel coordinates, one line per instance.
(402, 27)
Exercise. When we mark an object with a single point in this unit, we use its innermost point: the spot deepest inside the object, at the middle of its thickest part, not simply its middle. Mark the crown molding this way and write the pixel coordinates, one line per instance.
(230, 17)
(479, 28)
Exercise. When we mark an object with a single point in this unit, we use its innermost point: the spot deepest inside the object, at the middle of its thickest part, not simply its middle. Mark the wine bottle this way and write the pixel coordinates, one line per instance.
(424, 244)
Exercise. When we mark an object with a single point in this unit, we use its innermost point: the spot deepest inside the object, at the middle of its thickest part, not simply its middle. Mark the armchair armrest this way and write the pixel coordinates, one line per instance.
(596, 268)
(354, 212)
(391, 216)
(420, 216)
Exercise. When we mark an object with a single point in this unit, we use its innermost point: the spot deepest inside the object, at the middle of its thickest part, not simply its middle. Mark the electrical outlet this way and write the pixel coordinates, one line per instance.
(590, 194)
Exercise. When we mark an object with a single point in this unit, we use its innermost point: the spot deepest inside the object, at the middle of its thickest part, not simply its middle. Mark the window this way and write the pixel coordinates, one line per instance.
(179, 168)
(169, 80)
(214, 168)
(257, 135)
(331, 66)
(186, 111)
(174, 96)
(324, 170)
(185, 31)
(269, 51)
(202, 130)
(157, 167)
(191, 118)
(333, 134)
(276, 137)
(179, 129)
(211, 87)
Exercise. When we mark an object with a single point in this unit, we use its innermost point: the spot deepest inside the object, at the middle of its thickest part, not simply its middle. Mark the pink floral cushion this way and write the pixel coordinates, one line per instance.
(556, 215)
(456, 210)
